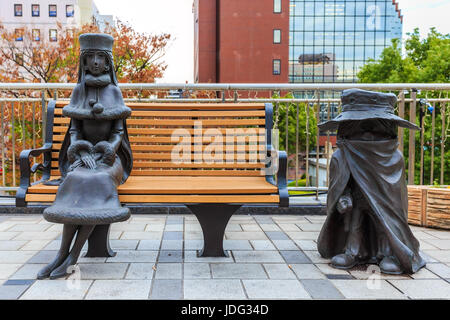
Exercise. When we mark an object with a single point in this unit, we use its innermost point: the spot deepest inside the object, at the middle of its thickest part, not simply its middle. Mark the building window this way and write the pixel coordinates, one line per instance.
(276, 6)
(17, 10)
(52, 10)
(18, 34)
(276, 66)
(70, 12)
(35, 10)
(276, 36)
(36, 34)
(53, 35)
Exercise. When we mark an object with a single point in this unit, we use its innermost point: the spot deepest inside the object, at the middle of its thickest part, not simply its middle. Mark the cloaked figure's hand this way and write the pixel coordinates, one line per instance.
(344, 204)
(88, 160)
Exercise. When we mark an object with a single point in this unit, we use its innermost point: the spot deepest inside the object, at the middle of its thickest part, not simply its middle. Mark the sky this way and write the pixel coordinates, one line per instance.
(176, 17)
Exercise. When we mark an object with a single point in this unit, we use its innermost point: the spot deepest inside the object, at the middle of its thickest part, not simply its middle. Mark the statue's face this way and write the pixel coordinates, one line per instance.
(369, 130)
(96, 63)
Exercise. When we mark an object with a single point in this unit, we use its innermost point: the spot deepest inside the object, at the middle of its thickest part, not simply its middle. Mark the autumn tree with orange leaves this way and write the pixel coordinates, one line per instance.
(138, 57)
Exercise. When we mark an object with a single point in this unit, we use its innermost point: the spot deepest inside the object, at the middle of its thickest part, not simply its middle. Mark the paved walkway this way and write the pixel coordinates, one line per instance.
(271, 257)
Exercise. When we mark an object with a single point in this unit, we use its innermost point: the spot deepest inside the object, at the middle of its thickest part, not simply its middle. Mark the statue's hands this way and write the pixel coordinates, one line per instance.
(344, 204)
(88, 160)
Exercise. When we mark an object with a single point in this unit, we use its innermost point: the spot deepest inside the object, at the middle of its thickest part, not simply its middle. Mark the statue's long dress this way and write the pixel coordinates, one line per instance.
(89, 196)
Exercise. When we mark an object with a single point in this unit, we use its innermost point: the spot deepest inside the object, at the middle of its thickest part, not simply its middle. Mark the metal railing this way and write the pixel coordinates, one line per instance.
(297, 110)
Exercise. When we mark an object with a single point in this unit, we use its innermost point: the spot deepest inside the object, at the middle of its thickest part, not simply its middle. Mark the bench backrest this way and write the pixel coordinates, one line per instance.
(190, 139)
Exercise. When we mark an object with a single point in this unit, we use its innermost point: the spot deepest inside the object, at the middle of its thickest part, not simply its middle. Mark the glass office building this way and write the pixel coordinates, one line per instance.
(330, 40)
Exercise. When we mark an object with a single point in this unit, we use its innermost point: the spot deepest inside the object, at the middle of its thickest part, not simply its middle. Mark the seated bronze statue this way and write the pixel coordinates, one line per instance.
(367, 202)
(95, 156)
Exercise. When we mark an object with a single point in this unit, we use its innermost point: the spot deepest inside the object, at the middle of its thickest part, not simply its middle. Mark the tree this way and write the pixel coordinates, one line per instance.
(137, 56)
(425, 61)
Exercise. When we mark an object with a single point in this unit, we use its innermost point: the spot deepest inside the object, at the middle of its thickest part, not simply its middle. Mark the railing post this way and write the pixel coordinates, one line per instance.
(443, 138)
(412, 138)
(401, 114)
(433, 125)
(317, 145)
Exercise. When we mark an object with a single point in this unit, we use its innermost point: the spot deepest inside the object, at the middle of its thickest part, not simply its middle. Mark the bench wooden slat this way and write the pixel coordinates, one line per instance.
(184, 185)
(159, 164)
(157, 198)
(170, 122)
(188, 114)
(175, 140)
(240, 172)
(162, 131)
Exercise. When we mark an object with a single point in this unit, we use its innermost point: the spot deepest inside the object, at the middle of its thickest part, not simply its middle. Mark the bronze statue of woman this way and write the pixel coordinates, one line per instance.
(95, 157)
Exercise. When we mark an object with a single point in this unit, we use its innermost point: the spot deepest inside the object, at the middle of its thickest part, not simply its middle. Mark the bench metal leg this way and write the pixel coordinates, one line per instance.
(214, 219)
(98, 242)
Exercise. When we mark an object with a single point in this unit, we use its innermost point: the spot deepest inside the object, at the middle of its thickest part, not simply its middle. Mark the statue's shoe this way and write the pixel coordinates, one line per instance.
(390, 266)
(47, 270)
(63, 270)
(344, 261)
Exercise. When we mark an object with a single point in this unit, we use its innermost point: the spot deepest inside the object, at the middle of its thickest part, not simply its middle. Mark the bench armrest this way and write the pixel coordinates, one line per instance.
(278, 160)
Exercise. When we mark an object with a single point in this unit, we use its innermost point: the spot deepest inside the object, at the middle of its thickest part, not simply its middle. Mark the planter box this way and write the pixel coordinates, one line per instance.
(429, 207)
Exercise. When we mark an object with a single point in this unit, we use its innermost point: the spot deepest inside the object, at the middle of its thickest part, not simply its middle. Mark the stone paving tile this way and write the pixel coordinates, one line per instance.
(94, 271)
(236, 227)
(257, 256)
(8, 269)
(12, 292)
(36, 235)
(167, 290)
(149, 245)
(288, 227)
(428, 259)
(124, 244)
(35, 245)
(214, 289)
(424, 245)
(191, 256)
(174, 227)
(168, 271)
(175, 220)
(172, 245)
(306, 245)
(16, 256)
(250, 227)
(245, 235)
(294, 257)
(440, 255)
(309, 226)
(237, 245)
(134, 256)
(193, 235)
(140, 271)
(440, 234)
(268, 227)
(362, 289)
(193, 244)
(422, 235)
(262, 245)
(302, 235)
(44, 256)
(197, 271)
(424, 274)
(119, 289)
(238, 271)
(155, 227)
(315, 256)
(285, 245)
(278, 271)
(325, 268)
(128, 227)
(27, 271)
(307, 271)
(170, 256)
(439, 243)
(7, 245)
(440, 269)
(424, 289)
(321, 289)
(9, 235)
(84, 259)
(29, 227)
(144, 235)
(263, 219)
(275, 289)
(277, 235)
(364, 272)
(57, 290)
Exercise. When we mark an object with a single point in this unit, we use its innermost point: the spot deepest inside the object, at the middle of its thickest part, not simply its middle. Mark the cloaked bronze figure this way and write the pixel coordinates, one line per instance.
(367, 203)
(95, 158)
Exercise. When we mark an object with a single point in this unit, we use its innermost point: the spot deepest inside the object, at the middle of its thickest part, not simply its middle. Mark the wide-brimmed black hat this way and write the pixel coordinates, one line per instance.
(96, 41)
(360, 104)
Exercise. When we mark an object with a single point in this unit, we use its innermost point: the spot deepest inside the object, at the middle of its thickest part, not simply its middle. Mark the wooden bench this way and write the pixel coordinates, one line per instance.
(212, 185)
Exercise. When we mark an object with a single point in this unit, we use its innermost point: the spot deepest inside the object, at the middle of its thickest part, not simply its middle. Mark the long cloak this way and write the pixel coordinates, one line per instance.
(378, 169)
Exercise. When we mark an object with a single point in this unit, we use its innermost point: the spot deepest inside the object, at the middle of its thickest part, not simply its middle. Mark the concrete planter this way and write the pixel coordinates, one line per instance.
(429, 206)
